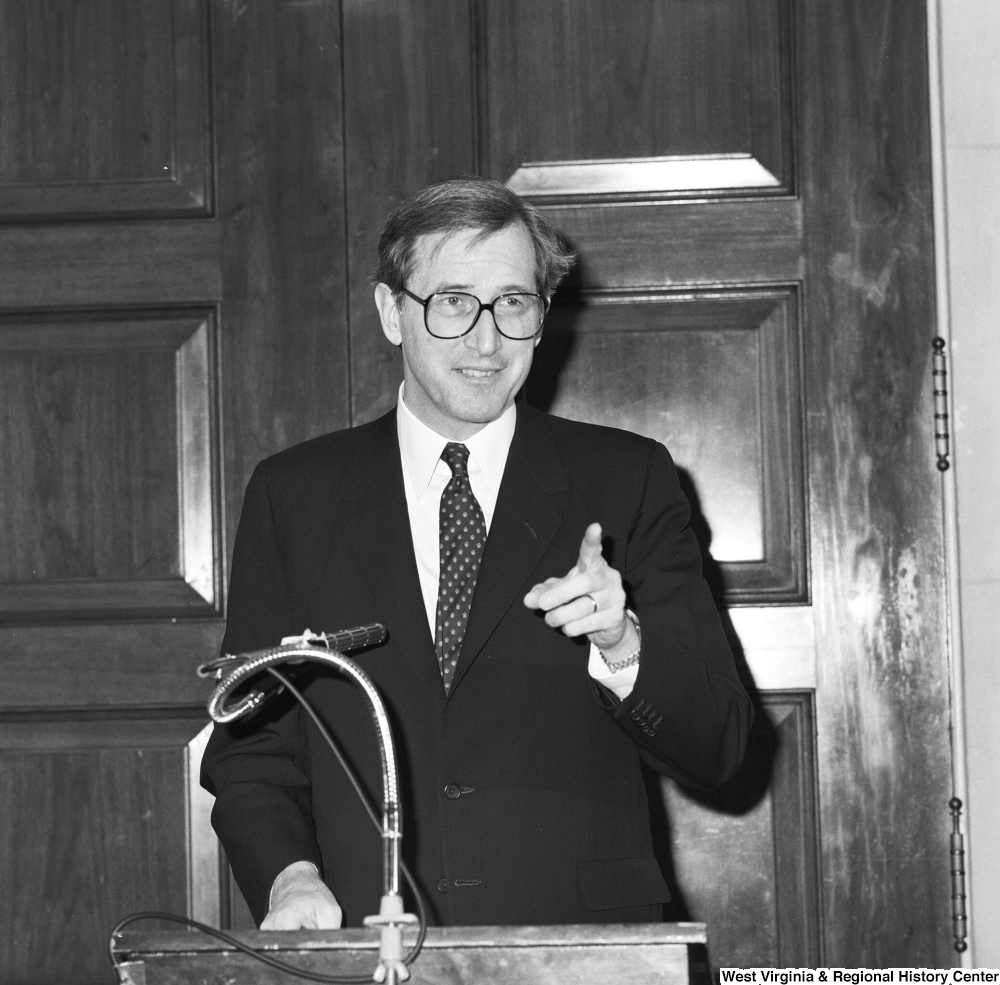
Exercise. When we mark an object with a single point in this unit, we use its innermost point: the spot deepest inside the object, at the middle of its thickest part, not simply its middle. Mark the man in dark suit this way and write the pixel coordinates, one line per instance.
(548, 623)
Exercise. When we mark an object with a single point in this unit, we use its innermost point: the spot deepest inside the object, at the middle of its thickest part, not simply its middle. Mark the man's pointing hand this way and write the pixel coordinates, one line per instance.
(588, 600)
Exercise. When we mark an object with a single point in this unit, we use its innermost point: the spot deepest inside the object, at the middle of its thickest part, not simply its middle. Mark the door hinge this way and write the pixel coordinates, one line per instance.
(959, 921)
(942, 439)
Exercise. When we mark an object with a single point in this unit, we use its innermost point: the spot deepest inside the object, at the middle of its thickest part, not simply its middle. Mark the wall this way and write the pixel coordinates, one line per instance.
(970, 43)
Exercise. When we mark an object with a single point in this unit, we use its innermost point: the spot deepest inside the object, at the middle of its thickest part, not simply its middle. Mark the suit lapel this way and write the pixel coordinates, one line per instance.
(528, 512)
(376, 526)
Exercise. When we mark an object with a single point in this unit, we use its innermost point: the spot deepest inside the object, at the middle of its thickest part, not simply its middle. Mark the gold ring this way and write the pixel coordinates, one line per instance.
(592, 599)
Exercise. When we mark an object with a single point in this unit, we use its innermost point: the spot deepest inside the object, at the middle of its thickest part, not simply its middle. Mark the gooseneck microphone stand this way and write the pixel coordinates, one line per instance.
(323, 648)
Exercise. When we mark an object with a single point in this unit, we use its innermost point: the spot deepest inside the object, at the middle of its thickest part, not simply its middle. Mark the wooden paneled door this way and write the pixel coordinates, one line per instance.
(190, 196)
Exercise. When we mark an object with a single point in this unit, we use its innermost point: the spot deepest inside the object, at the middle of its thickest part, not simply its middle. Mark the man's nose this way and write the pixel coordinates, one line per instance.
(484, 337)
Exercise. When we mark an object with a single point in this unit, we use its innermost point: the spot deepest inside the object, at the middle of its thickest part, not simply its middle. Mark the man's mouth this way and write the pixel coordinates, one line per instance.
(479, 373)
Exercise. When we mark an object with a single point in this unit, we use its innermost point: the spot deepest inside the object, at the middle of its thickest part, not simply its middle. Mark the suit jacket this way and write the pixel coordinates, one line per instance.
(523, 800)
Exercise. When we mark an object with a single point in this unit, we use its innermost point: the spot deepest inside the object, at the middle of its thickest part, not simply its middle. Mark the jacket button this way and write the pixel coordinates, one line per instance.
(453, 791)
(442, 885)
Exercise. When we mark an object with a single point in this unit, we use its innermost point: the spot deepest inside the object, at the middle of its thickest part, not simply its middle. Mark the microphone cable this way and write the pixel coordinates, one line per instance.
(263, 956)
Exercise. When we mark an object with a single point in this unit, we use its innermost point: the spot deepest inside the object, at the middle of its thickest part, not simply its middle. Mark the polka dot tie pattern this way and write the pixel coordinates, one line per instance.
(462, 534)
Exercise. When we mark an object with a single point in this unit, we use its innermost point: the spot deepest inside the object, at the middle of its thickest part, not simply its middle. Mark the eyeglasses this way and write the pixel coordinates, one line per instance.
(452, 314)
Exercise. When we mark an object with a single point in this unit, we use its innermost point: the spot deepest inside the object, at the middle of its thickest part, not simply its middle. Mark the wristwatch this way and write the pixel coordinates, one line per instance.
(633, 658)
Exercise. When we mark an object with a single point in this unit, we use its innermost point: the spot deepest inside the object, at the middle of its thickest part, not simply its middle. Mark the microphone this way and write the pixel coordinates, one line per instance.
(232, 670)
(342, 640)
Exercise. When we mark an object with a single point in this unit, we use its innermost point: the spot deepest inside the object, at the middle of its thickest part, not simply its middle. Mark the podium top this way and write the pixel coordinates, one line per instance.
(137, 943)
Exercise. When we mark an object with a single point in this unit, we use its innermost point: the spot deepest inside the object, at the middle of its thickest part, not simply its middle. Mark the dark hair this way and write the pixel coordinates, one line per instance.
(467, 203)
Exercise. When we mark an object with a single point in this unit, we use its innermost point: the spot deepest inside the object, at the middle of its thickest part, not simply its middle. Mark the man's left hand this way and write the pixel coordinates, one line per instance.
(589, 600)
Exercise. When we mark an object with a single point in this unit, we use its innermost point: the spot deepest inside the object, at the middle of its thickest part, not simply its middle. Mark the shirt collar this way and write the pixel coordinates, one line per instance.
(421, 446)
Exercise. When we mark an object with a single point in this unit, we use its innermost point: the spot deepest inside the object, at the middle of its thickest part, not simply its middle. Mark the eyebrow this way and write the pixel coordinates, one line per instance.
(467, 288)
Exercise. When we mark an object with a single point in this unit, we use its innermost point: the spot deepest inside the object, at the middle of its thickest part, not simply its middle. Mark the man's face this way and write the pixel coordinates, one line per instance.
(456, 386)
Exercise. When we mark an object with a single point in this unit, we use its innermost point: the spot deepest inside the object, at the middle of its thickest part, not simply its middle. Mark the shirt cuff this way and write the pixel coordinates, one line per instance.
(618, 682)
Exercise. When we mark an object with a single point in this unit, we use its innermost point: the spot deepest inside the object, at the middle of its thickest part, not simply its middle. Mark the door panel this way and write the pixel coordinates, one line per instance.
(281, 259)
(105, 110)
(882, 709)
(624, 96)
(714, 375)
(99, 831)
(118, 411)
(746, 857)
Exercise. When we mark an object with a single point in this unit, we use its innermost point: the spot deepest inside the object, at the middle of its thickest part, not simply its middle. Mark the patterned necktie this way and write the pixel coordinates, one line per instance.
(462, 534)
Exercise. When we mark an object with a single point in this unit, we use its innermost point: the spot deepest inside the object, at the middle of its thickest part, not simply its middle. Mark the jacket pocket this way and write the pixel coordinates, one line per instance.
(615, 883)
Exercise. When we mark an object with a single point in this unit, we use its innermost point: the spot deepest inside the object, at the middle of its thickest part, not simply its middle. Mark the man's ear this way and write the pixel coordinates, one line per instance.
(389, 313)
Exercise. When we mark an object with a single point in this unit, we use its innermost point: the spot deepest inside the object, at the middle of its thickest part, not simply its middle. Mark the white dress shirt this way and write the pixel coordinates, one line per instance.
(424, 477)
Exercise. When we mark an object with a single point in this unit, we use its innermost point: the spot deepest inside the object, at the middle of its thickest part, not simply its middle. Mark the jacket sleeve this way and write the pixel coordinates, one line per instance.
(688, 712)
(257, 769)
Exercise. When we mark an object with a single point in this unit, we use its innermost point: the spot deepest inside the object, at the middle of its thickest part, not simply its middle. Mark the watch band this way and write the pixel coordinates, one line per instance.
(633, 658)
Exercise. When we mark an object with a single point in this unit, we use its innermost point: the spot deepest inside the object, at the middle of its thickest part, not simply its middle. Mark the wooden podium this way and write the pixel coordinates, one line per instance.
(585, 954)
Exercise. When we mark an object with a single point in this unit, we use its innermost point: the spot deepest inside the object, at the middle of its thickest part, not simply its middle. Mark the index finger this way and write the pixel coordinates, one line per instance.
(590, 548)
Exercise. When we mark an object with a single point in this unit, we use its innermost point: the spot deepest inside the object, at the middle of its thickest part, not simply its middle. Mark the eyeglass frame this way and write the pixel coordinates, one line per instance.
(425, 302)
